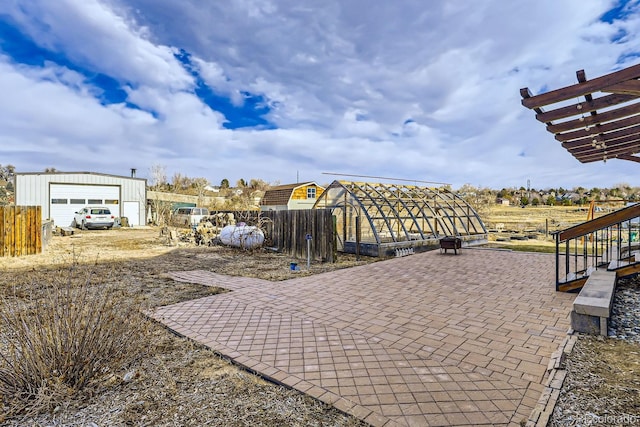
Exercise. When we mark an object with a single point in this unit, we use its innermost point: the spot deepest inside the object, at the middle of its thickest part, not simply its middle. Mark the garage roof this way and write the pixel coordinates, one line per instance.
(595, 120)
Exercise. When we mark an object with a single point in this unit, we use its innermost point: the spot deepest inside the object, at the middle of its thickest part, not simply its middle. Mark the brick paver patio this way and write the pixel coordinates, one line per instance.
(427, 339)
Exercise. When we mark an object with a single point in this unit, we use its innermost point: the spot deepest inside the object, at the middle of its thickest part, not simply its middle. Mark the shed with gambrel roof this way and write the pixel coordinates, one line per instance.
(291, 196)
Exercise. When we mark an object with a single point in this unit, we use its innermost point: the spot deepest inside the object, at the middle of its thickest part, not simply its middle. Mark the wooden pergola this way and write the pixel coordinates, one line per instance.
(595, 120)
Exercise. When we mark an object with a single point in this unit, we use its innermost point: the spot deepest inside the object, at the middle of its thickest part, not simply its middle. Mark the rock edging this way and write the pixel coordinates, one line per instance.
(556, 374)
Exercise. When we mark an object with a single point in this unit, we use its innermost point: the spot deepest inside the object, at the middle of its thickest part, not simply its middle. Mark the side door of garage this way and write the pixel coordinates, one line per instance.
(132, 213)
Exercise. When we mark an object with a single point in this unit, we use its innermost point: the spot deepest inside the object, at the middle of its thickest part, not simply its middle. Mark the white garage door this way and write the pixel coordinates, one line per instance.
(66, 199)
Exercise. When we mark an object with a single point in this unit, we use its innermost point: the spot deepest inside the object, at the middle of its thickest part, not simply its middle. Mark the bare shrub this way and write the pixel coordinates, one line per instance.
(64, 336)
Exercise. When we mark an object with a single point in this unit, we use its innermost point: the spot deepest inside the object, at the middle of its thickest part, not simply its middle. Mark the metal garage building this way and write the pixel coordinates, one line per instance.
(61, 194)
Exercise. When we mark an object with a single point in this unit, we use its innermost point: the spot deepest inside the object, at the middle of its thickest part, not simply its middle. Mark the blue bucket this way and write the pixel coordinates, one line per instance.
(293, 266)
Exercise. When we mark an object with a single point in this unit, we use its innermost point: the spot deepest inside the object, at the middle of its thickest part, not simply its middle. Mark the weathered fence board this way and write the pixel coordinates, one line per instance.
(20, 230)
(288, 230)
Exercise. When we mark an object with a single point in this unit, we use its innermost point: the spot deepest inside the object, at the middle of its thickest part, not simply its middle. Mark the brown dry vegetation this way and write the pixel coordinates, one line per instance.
(534, 218)
(532, 222)
(603, 380)
(178, 382)
(174, 381)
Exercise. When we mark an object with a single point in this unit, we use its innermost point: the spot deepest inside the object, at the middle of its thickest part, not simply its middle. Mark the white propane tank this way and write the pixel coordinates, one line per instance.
(242, 236)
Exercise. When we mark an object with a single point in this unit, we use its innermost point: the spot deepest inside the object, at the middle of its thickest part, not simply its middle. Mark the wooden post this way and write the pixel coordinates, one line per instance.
(10, 248)
(546, 227)
(334, 221)
(19, 232)
(2, 230)
(358, 238)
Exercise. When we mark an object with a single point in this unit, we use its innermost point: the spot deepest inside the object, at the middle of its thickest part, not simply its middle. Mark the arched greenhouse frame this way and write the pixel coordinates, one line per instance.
(380, 218)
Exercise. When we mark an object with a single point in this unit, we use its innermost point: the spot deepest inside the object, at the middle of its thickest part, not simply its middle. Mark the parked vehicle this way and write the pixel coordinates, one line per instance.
(189, 216)
(94, 217)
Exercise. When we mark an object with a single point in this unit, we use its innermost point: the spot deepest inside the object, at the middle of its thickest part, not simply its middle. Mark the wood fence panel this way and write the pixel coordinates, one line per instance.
(18, 233)
(20, 230)
(37, 224)
(9, 235)
(288, 231)
(2, 237)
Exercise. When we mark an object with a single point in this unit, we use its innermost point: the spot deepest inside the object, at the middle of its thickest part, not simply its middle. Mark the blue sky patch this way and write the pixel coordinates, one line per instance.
(23, 50)
(619, 36)
(627, 57)
(621, 11)
(251, 113)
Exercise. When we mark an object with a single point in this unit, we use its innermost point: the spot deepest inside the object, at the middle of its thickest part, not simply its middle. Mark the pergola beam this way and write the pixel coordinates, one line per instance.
(607, 116)
(600, 127)
(630, 87)
(609, 148)
(581, 89)
(584, 107)
(629, 122)
(629, 157)
(613, 137)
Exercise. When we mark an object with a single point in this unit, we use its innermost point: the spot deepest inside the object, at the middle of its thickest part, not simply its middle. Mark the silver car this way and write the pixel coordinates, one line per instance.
(94, 217)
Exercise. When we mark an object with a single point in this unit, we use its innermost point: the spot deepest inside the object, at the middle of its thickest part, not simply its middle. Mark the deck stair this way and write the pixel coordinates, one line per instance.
(608, 243)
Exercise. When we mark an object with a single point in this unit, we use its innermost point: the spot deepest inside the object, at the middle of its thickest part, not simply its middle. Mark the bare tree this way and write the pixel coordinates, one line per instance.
(200, 184)
(181, 182)
(157, 176)
(158, 179)
(7, 172)
(258, 184)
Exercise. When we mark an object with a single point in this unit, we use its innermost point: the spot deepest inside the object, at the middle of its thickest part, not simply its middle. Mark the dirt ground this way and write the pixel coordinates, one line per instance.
(602, 384)
(177, 382)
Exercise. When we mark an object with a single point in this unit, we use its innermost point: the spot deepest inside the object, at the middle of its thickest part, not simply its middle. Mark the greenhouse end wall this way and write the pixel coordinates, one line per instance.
(380, 218)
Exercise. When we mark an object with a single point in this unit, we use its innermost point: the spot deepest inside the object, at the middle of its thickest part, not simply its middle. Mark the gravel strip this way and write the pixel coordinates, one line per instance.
(603, 374)
(625, 317)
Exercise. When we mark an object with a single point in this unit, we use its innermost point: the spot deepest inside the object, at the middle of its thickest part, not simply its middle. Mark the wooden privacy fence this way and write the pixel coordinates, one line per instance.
(288, 230)
(20, 230)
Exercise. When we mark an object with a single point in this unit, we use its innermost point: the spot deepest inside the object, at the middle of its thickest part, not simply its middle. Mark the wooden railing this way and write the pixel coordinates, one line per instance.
(608, 242)
(20, 230)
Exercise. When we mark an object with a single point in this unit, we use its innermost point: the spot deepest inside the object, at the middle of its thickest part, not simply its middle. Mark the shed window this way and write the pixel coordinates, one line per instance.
(77, 201)
(111, 202)
(95, 201)
(311, 193)
(58, 201)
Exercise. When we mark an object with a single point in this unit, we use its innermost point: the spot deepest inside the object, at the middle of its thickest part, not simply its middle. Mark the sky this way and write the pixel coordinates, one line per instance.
(288, 91)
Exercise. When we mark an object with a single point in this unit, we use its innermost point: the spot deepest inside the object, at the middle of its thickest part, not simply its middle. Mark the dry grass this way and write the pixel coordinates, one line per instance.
(534, 218)
(56, 340)
(525, 229)
(175, 381)
(603, 379)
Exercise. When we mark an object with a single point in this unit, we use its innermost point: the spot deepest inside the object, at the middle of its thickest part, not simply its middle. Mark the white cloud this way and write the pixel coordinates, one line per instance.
(406, 89)
(93, 35)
